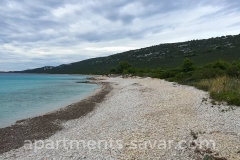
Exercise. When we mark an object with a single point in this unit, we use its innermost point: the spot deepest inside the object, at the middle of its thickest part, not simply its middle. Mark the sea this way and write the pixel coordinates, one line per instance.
(28, 95)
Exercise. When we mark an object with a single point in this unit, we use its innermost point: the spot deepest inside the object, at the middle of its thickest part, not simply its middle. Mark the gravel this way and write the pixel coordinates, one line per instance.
(145, 119)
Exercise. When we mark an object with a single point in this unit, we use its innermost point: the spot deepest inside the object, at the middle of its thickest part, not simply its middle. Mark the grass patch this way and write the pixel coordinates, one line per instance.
(222, 89)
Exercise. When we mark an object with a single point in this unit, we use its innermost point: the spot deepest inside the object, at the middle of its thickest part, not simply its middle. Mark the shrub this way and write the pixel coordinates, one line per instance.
(183, 77)
(113, 71)
(218, 65)
(230, 97)
(188, 65)
(166, 74)
(123, 65)
(207, 73)
(233, 71)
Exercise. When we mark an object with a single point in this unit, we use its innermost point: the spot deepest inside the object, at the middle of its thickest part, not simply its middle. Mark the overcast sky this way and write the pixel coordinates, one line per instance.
(36, 33)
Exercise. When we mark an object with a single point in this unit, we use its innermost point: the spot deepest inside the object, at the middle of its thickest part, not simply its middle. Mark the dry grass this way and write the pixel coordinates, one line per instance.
(222, 88)
(218, 84)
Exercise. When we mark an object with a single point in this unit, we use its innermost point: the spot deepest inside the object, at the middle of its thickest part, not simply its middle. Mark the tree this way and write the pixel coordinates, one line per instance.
(188, 65)
(113, 71)
(124, 65)
(221, 65)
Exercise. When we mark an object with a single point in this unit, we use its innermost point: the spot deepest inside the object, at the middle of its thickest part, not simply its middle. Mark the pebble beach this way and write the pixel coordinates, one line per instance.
(138, 118)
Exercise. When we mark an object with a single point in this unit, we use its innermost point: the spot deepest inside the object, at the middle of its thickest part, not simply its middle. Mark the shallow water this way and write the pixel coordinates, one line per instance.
(28, 95)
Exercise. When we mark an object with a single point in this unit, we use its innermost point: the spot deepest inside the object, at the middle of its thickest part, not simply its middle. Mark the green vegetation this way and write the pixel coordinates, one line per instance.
(165, 56)
(219, 78)
(124, 67)
(204, 70)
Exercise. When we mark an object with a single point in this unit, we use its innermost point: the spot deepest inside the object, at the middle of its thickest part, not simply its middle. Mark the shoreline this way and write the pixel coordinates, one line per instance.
(59, 107)
(19, 104)
(137, 113)
(43, 126)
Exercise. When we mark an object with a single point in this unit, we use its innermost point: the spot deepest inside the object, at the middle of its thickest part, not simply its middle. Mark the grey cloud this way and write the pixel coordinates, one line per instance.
(235, 24)
(32, 24)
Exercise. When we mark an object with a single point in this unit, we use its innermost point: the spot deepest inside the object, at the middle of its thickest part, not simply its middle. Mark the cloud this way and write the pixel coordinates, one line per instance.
(50, 32)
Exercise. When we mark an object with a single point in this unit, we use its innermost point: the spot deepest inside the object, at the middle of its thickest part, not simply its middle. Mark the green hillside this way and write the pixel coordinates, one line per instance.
(165, 56)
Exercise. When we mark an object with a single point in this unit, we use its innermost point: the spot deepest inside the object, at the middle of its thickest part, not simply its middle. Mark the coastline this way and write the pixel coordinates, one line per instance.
(172, 119)
(43, 126)
(26, 96)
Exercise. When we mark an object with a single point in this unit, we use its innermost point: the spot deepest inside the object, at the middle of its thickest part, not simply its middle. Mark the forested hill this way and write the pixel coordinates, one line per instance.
(168, 55)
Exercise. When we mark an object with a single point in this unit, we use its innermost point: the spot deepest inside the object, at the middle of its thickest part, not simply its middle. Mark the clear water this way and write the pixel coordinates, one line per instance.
(28, 95)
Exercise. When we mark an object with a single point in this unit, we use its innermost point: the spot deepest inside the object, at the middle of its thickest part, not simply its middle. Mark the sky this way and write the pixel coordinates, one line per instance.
(52, 32)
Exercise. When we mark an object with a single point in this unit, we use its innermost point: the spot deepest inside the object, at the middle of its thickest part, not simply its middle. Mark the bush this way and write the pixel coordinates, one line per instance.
(233, 71)
(218, 65)
(113, 71)
(166, 74)
(188, 65)
(123, 65)
(182, 76)
(207, 73)
(230, 97)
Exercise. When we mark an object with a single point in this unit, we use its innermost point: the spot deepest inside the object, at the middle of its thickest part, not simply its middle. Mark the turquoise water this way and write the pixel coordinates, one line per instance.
(28, 95)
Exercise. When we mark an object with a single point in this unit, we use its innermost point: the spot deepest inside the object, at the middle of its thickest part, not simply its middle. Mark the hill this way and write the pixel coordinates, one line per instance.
(169, 55)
